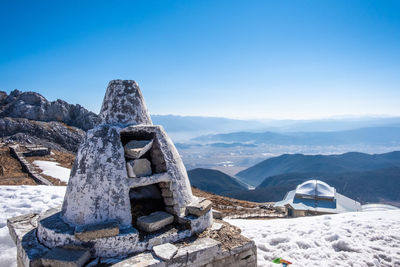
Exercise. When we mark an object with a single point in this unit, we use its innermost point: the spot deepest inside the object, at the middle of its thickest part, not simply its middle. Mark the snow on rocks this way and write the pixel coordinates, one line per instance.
(18, 200)
(347, 239)
(53, 169)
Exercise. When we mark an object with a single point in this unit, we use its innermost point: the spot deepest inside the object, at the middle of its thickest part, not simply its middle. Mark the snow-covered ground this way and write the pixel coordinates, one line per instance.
(18, 200)
(52, 169)
(347, 239)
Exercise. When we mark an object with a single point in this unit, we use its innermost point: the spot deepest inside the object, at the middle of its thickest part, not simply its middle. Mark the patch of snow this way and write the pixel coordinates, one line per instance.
(19, 200)
(347, 239)
(53, 169)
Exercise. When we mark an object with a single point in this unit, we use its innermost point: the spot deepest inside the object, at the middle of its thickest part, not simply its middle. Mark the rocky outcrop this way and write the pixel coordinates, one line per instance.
(55, 135)
(33, 106)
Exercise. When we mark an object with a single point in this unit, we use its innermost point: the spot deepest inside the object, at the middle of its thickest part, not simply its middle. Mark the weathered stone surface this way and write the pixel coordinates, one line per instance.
(199, 224)
(165, 251)
(100, 182)
(165, 185)
(217, 214)
(166, 192)
(123, 104)
(61, 257)
(23, 232)
(141, 260)
(154, 221)
(30, 250)
(94, 231)
(198, 253)
(199, 208)
(134, 149)
(169, 201)
(54, 232)
(138, 168)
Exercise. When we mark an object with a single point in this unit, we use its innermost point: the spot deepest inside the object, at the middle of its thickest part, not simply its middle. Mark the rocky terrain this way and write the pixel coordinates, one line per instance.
(33, 106)
(29, 118)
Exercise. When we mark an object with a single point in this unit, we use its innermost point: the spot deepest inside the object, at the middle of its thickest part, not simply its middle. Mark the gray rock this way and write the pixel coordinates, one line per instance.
(140, 167)
(134, 149)
(199, 208)
(95, 231)
(50, 134)
(165, 251)
(155, 221)
(61, 257)
(33, 106)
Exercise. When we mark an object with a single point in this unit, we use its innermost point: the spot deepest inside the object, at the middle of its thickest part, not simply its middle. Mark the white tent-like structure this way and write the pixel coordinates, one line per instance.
(315, 189)
(315, 197)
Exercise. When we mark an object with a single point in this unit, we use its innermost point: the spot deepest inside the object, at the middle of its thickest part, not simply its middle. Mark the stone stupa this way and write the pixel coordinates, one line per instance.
(128, 193)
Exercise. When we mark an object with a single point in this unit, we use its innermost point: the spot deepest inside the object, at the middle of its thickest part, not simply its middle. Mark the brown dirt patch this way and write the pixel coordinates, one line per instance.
(228, 235)
(13, 174)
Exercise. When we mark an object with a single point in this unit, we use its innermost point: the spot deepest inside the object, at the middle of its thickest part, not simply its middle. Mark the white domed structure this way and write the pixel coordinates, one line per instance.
(315, 189)
(315, 197)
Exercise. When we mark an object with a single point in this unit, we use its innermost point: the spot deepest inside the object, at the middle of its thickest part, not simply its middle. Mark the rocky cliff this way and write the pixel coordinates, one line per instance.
(28, 117)
(33, 106)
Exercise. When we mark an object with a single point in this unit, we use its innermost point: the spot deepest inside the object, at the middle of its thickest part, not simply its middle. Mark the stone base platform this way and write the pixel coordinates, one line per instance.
(210, 248)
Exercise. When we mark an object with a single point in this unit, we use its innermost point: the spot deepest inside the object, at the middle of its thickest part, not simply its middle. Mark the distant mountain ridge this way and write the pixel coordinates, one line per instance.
(374, 186)
(201, 125)
(213, 181)
(383, 135)
(299, 163)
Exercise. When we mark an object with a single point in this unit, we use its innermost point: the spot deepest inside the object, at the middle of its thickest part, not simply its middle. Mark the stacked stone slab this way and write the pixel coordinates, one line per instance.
(122, 161)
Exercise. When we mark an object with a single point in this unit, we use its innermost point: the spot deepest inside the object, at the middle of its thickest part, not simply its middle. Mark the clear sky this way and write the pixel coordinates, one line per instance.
(239, 59)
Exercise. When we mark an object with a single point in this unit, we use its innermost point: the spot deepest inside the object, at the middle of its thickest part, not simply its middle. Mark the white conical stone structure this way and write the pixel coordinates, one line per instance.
(124, 104)
(98, 188)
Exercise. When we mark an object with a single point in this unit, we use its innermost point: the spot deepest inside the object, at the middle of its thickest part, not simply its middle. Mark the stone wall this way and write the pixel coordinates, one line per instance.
(27, 167)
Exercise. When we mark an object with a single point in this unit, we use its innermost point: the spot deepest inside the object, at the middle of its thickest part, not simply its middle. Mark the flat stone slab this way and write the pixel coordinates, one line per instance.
(61, 257)
(165, 251)
(155, 221)
(136, 148)
(199, 208)
(95, 231)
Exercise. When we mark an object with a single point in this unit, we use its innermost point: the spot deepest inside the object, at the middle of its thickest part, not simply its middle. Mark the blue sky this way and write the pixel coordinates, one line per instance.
(239, 59)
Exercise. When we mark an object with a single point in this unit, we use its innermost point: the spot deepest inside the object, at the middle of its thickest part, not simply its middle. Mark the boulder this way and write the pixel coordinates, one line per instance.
(155, 221)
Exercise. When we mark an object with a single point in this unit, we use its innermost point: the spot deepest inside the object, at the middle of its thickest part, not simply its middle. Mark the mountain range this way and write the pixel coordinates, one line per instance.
(383, 135)
(299, 163)
(213, 181)
(363, 177)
